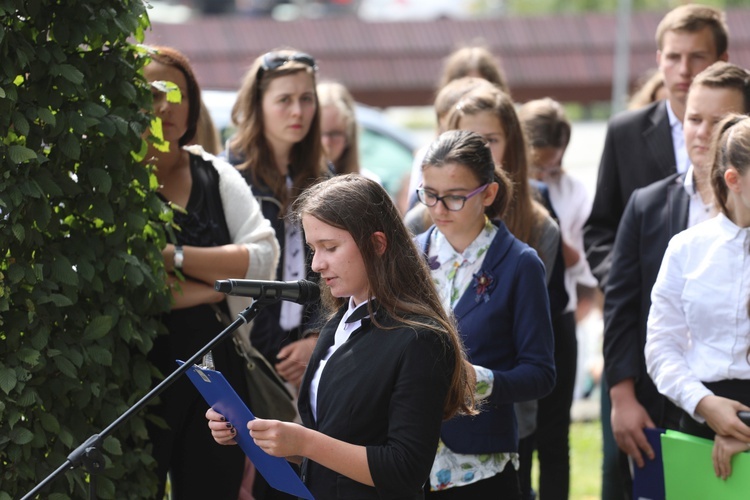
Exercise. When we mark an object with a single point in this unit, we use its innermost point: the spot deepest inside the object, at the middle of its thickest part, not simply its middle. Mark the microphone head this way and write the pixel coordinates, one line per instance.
(308, 292)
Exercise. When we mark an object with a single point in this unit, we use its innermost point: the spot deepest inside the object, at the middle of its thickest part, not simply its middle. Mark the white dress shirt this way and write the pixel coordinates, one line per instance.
(697, 210)
(678, 141)
(343, 332)
(698, 326)
(572, 203)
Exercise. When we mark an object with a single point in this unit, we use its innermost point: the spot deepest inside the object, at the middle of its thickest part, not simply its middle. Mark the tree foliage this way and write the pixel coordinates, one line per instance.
(81, 228)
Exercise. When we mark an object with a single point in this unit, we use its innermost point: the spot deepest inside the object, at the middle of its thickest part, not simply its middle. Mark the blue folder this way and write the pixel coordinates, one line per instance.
(221, 397)
(648, 482)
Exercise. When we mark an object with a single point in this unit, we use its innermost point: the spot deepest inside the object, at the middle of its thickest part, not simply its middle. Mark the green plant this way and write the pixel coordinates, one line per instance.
(81, 228)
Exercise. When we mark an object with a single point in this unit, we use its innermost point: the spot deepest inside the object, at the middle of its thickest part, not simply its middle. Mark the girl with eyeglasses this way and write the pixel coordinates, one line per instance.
(491, 113)
(494, 285)
(389, 365)
(339, 130)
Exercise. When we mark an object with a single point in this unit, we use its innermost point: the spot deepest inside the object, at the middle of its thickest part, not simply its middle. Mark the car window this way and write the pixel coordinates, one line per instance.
(386, 157)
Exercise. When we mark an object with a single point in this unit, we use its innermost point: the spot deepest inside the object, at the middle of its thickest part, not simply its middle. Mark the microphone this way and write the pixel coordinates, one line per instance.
(301, 292)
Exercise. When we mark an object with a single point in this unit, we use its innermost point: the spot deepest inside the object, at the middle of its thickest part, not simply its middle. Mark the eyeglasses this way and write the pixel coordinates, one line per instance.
(274, 60)
(452, 202)
(334, 135)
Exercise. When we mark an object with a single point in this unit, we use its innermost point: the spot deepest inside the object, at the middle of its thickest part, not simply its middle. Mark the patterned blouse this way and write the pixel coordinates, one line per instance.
(453, 273)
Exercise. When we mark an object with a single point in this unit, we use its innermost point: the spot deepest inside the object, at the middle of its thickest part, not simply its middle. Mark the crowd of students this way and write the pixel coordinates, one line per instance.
(443, 351)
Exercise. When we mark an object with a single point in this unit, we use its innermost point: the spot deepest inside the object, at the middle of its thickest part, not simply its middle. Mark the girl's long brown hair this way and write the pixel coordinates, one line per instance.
(249, 141)
(525, 216)
(399, 278)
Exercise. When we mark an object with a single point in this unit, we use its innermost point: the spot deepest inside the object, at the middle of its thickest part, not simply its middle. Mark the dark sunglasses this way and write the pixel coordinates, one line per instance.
(274, 60)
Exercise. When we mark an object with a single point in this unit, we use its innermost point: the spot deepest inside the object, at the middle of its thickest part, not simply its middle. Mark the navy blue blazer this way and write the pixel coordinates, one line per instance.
(511, 334)
(652, 216)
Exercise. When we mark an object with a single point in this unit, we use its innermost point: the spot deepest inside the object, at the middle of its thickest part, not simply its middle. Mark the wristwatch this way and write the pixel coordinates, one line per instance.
(179, 257)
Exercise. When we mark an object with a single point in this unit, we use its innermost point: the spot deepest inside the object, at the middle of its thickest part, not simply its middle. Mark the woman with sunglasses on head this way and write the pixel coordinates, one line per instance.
(278, 149)
(222, 234)
(388, 366)
(494, 284)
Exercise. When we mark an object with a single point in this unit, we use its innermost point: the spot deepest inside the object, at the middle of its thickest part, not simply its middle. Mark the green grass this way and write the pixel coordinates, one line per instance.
(585, 461)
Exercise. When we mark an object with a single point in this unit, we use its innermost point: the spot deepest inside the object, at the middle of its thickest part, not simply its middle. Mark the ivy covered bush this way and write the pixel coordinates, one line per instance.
(81, 228)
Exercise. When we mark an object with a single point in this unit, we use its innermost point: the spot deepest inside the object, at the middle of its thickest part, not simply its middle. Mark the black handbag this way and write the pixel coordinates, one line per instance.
(270, 397)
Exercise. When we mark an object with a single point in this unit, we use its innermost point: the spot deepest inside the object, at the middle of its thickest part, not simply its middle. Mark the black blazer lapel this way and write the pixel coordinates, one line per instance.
(658, 138)
(325, 341)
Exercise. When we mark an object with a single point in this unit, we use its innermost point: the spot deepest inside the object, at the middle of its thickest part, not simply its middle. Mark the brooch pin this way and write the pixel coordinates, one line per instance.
(482, 284)
(433, 263)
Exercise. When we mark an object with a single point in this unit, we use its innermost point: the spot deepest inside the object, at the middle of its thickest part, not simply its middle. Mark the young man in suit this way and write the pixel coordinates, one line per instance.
(646, 145)
(652, 216)
(640, 149)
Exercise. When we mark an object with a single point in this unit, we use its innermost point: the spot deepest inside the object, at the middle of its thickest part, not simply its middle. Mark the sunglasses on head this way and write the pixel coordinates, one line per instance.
(274, 60)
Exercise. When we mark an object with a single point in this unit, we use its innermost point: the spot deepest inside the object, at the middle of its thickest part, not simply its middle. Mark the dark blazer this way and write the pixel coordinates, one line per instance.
(653, 215)
(638, 151)
(267, 334)
(384, 389)
(511, 334)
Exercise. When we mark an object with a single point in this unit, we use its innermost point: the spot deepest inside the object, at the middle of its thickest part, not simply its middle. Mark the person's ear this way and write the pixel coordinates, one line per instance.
(732, 178)
(380, 242)
(490, 193)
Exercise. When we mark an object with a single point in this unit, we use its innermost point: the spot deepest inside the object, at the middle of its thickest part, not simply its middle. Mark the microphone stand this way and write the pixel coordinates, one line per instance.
(88, 453)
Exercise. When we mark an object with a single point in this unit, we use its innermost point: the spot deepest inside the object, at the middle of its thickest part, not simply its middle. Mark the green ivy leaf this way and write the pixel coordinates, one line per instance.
(20, 154)
(112, 446)
(100, 179)
(98, 327)
(47, 116)
(65, 437)
(70, 146)
(21, 435)
(101, 209)
(62, 271)
(21, 123)
(170, 88)
(27, 355)
(58, 299)
(65, 366)
(94, 110)
(49, 422)
(100, 355)
(19, 232)
(69, 72)
(7, 379)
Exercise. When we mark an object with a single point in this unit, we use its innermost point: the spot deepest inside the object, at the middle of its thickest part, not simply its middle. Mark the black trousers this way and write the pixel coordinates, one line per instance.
(553, 420)
(737, 390)
(500, 486)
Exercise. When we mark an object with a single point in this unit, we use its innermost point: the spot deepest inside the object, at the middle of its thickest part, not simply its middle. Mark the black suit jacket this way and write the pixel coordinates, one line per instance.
(383, 389)
(652, 216)
(638, 151)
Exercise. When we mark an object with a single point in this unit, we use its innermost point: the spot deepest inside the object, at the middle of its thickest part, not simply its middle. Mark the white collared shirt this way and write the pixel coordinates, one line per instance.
(697, 210)
(698, 326)
(343, 332)
(678, 141)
